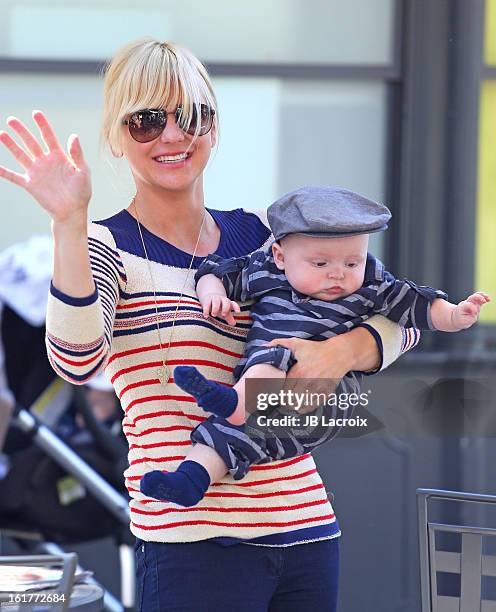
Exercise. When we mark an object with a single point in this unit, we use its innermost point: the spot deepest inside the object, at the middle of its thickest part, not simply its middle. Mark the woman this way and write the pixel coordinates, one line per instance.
(123, 299)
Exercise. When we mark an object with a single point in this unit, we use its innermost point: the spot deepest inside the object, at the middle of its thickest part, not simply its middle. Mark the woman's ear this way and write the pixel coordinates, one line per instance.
(278, 255)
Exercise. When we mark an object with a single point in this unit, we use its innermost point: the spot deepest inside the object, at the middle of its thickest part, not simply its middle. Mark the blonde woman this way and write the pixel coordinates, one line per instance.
(123, 299)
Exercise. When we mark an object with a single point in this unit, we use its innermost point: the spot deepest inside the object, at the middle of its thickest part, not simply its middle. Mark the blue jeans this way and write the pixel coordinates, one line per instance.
(207, 577)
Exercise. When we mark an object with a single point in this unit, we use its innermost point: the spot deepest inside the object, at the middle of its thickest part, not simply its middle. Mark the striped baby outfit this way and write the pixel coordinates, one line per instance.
(281, 311)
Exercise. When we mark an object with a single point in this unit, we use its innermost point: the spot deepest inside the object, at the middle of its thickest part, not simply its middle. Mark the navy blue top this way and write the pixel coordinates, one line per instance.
(241, 233)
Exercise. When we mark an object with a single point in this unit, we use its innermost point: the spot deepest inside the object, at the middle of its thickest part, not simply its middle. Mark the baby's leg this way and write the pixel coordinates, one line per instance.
(259, 370)
(226, 402)
(188, 484)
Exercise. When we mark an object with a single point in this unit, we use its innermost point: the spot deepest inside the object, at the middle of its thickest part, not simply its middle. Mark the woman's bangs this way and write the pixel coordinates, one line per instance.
(167, 83)
(161, 76)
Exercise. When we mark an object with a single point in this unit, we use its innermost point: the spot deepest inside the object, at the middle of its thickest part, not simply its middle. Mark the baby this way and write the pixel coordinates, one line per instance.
(316, 280)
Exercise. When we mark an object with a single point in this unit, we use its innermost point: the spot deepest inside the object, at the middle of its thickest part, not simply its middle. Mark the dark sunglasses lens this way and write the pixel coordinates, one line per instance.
(203, 115)
(145, 126)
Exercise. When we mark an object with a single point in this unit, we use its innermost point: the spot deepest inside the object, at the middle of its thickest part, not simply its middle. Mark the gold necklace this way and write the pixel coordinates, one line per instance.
(163, 372)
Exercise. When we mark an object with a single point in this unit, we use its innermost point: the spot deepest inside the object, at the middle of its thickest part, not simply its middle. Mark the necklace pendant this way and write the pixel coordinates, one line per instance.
(163, 374)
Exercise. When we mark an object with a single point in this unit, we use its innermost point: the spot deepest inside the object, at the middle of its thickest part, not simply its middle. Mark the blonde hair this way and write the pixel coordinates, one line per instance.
(147, 73)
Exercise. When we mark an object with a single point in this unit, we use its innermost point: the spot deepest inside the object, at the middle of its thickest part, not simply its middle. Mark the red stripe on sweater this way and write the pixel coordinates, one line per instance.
(153, 398)
(152, 303)
(78, 363)
(279, 464)
(264, 495)
(136, 385)
(318, 502)
(155, 364)
(150, 459)
(237, 316)
(155, 347)
(313, 519)
(141, 320)
(157, 429)
(154, 381)
(187, 443)
(160, 444)
(247, 484)
(62, 374)
(162, 413)
(74, 345)
(242, 495)
(269, 480)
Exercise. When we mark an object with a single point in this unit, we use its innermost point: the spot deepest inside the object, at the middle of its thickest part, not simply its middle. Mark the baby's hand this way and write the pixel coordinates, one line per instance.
(467, 312)
(220, 306)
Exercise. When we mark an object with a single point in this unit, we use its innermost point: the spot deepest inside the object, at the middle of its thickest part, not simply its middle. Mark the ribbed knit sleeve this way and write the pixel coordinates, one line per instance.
(392, 340)
(79, 330)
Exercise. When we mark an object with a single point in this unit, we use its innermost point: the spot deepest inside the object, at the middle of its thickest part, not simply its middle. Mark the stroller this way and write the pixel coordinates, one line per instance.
(61, 468)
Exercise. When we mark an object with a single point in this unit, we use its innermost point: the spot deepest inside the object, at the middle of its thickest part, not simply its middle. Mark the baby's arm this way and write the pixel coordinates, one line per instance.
(411, 305)
(455, 317)
(226, 280)
(212, 295)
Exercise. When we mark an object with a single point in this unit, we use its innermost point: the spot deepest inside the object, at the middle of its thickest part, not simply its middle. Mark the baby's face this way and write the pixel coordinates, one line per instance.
(323, 268)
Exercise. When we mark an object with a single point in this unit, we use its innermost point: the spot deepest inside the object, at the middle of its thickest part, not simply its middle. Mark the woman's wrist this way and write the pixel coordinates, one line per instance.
(74, 226)
(358, 350)
(72, 273)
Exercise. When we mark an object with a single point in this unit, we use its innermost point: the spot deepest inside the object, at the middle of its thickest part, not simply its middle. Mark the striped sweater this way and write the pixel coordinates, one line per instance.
(115, 328)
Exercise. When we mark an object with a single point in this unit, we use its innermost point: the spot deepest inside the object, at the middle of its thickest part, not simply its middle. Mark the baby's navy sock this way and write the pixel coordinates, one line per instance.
(186, 486)
(211, 396)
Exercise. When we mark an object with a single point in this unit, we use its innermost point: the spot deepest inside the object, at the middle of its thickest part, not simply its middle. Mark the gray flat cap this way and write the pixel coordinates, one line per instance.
(326, 212)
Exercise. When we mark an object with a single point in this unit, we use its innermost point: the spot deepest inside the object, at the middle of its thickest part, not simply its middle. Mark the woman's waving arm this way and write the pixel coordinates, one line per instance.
(88, 273)
(60, 182)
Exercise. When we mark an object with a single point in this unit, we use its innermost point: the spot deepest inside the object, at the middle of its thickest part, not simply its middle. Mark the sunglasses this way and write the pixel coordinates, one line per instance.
(146, 125)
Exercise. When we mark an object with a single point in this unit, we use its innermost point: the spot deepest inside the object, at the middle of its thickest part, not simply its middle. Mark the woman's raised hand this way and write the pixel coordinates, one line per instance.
(59, 181)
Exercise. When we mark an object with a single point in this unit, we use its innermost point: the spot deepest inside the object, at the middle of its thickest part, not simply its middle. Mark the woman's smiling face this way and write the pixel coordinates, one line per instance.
(147, 74)
(174, 161)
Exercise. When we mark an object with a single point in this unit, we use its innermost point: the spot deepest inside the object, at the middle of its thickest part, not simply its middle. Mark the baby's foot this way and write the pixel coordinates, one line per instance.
(185, 487)
(211, 396)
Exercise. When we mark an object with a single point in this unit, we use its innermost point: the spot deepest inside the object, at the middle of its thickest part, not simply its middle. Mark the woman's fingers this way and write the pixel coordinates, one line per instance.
(75, 151)
(29, 140)
(17, 151)
(13, 177)
(46, 130)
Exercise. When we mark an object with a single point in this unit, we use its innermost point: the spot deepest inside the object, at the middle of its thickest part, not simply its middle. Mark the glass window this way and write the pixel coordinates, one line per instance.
(277, 135)
(294, 31)
(486, 207)
(490, 42)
